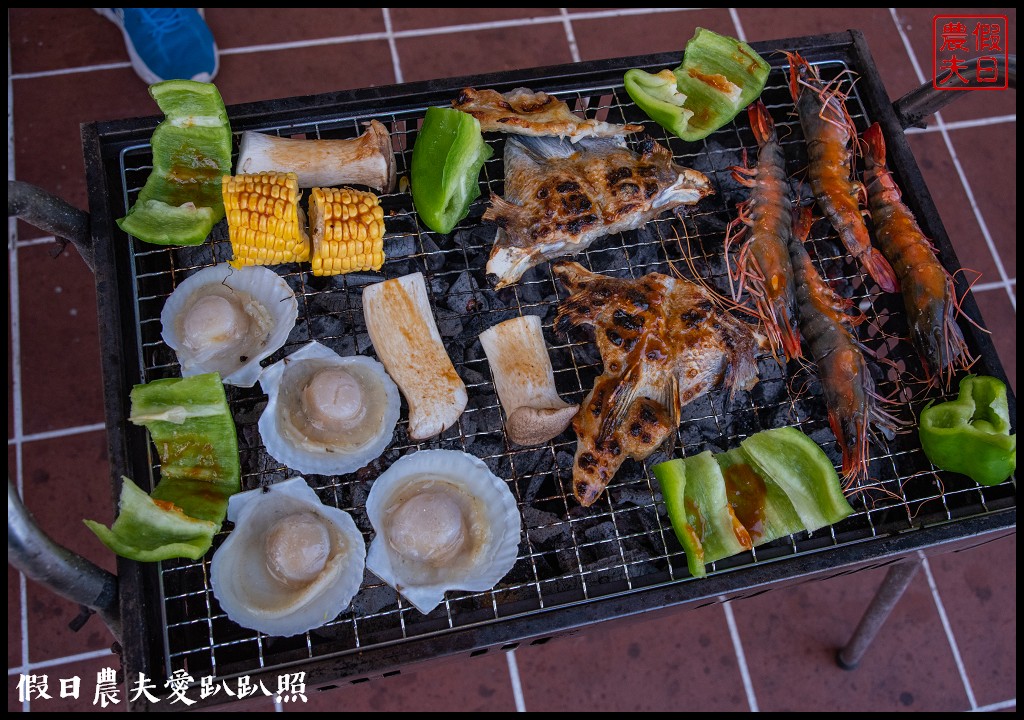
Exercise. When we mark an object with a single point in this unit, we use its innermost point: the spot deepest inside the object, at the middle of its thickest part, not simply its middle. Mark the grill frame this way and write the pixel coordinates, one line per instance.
(143, 600)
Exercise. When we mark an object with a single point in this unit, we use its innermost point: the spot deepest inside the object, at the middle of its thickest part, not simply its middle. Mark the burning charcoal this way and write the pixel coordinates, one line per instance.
(355, 282)
(491, 449)
(464, 296)
(531, 461)
(344, 345)
(363, 343)
(373, 597)
(400, 222)
(602, 531)
(399, 247)
(475, 238)
(472, 377)
(449, 324)
(434, 258)
(544, 527)
(324, 303)
(632, 495)
(533, 488)
(437, 288)
(199, 255)
(610, 260)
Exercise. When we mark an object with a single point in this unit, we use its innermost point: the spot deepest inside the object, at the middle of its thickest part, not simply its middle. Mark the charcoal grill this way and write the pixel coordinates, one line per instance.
(576, 566)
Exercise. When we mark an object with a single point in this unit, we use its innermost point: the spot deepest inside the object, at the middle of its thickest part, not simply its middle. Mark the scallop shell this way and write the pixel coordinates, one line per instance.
(494, 524)
(286, 442)
(247, 589)
(259, 296)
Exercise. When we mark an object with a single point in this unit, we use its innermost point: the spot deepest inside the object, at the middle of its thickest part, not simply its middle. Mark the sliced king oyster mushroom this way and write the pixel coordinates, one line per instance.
(525, 381)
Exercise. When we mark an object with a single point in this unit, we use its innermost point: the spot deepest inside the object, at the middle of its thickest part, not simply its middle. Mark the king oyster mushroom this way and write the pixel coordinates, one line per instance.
(366, 160)
(227, 320)
(405, 336)
(525, 381)
(327, 414)
(291, 564)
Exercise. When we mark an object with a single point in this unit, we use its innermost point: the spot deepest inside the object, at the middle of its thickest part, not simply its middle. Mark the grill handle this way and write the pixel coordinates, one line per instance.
(58, 569)
(52, 215)
(913, 108)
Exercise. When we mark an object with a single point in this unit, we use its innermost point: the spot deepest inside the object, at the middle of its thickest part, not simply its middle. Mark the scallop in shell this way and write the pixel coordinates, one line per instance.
(227, 320)
(444, 521)
(291, 564)
(327, 414)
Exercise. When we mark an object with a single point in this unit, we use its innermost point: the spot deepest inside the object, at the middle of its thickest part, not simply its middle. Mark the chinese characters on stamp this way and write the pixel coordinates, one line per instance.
(970, 52)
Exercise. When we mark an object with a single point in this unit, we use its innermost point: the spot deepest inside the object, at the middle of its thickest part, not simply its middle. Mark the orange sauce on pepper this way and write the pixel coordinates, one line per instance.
(746, 492)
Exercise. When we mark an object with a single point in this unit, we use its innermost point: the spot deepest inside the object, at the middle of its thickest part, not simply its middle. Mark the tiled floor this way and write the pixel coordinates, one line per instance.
(951, 642)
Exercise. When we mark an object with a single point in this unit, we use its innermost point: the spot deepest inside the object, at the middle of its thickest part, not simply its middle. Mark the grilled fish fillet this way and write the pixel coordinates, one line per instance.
(525, 112)
(663, 342)
(561, 197)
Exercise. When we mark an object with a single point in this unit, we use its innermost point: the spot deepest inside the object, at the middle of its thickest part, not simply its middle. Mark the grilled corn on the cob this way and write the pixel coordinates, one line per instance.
(265, 223)
(348, 231)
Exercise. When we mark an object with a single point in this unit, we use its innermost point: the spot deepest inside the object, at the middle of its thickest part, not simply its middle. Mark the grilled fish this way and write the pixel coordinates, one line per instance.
(663, 341)
(561, 197)
(525, 112)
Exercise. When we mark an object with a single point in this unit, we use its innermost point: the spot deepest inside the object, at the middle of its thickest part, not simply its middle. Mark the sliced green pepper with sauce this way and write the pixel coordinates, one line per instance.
(445, 169)
(194, 433)
(971, 435)
(148, 530)
(181, 200)
(778, 482)
(703, 519)
(719, 76)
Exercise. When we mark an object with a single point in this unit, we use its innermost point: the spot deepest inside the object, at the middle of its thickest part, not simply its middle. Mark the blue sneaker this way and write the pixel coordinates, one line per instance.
(167, 43)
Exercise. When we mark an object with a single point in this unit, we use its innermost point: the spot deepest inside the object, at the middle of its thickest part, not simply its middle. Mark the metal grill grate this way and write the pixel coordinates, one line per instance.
(568, 555)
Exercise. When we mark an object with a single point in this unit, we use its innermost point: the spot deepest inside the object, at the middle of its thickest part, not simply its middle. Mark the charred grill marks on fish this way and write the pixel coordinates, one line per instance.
(560, 197)
(664, 341)
(525, 112)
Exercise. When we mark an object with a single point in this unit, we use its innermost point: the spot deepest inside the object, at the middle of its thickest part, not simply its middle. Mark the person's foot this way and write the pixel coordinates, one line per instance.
(167, 43)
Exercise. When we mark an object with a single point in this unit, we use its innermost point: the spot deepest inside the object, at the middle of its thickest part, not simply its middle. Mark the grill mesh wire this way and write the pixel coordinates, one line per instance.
(568, 554)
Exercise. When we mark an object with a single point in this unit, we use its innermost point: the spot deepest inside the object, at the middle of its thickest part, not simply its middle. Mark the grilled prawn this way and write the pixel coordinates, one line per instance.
(763, 268)
(927, 288)
(828, 330)
(829, 130)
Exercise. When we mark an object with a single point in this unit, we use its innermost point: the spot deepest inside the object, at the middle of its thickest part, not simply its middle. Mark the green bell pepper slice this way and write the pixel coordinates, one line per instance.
(148, 530)
(718, 77)
(971, 435)
(194, 432)
(803, 471)
(758, 501)
(658, 95)
(698, 506)
(445, 169)
(778, 482)
(181, 200)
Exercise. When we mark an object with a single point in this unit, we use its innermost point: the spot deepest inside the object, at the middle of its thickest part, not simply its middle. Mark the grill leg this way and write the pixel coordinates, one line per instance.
(889, 593)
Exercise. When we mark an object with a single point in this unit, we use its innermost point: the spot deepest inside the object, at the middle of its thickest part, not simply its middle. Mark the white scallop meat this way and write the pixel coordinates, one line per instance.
(291, 564)
(327, 414)
(443, 521)
(227, 320)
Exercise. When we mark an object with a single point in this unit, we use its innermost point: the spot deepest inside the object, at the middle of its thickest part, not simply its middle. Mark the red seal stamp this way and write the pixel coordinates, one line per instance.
(970, 52)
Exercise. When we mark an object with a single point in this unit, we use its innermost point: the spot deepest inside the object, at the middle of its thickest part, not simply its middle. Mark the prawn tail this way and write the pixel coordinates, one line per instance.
(761, 122)
(874, 144)
(880, 270)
